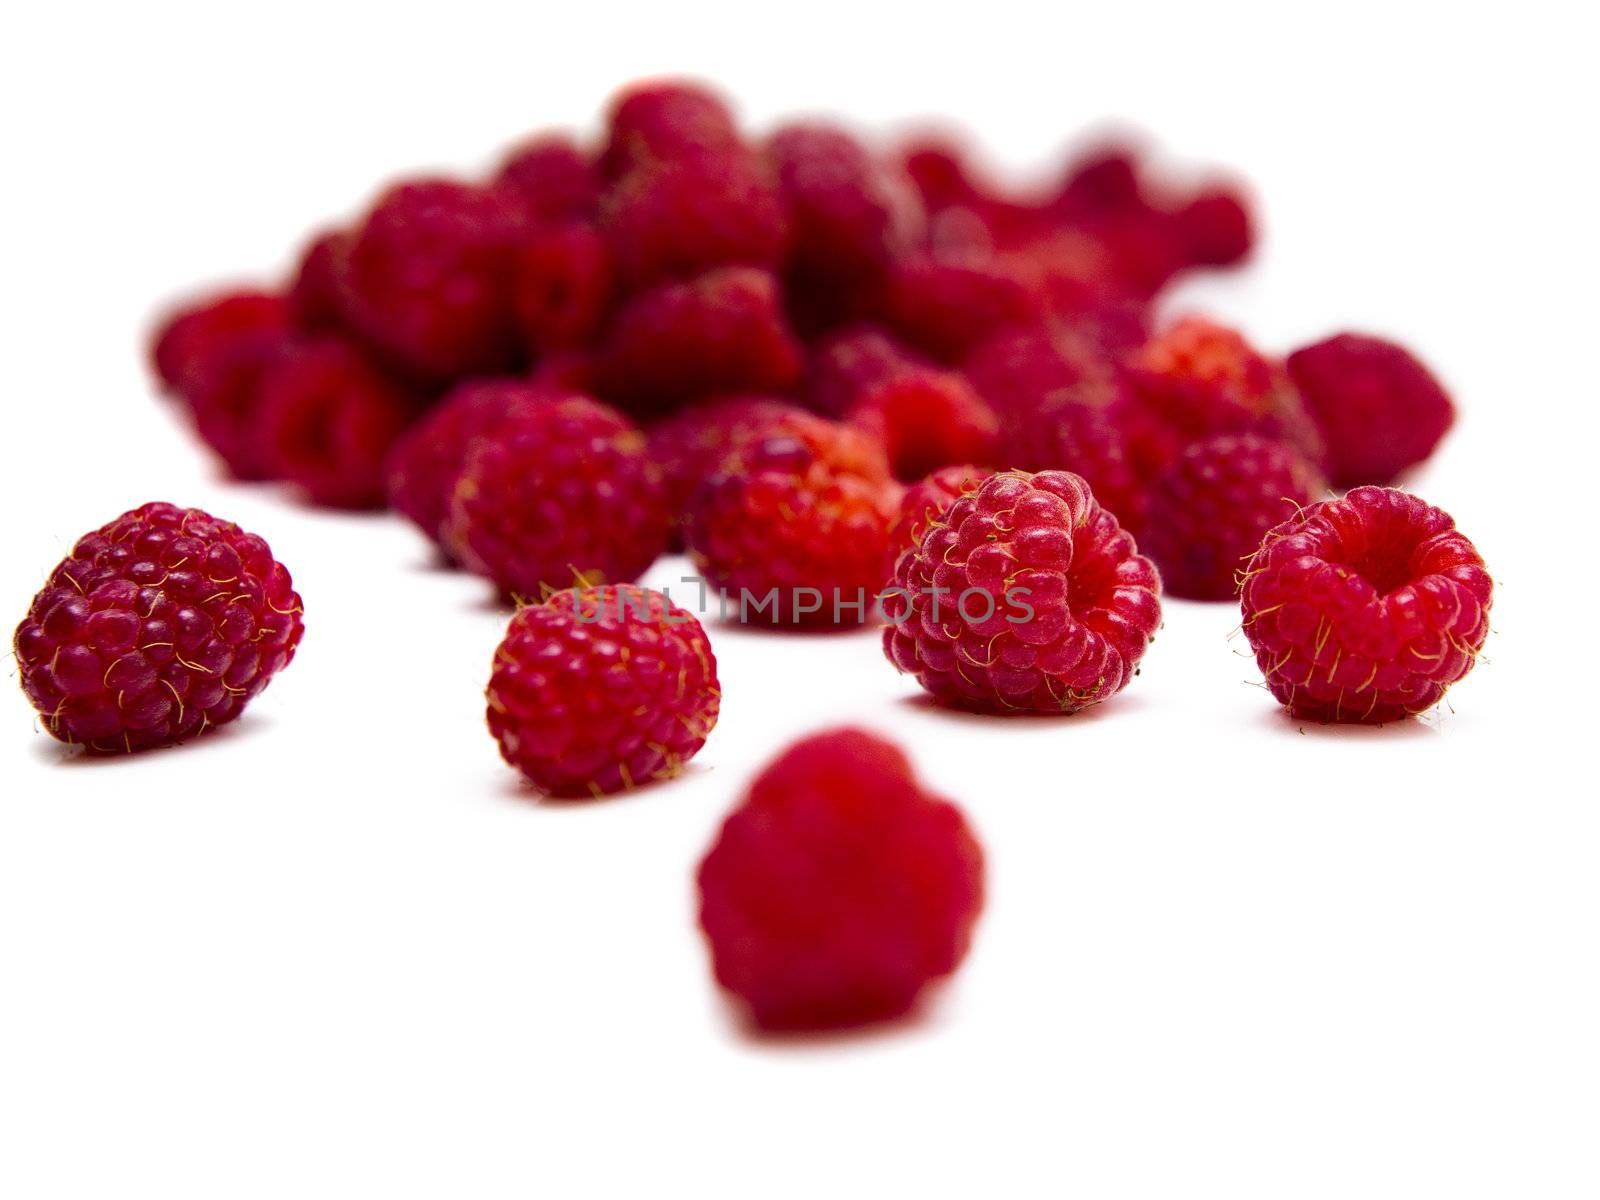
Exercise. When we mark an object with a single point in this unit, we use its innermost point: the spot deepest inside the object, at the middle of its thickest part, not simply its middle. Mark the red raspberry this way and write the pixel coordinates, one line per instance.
(551, 179)
(1215, 227)
(946, 308)
(791, 532)
(674, 219)
(191, 339)
(424, 465)
(158, 626)
(721, 333)
(1209, 510)
(327, 418)
(671, 119)
(564, 493)
(314, 293)
(922, 502)
(562, 286)
(839, 888)
(845, 365)
(1103, 182)
(599, 689)
(427, 278)
(1091, 436)
(1380, 409)
(1020, 371)
(1071, 639)
(928, 419)
(1198, 378)
(1366, 608)
(689, 445)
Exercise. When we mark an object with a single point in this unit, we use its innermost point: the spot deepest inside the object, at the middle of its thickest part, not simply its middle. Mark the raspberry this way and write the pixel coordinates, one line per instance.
(427, 278)
(563, 493)
(551, 179)
(191, 339)
(674, 219)
(922, 502)
(839, 888)
(689, 445)
(327, 418)
(424, 465)
(158, 626)
(1089, 435)
(790, 529)
(721, 333)
(1072, 638)
(1019, 371)
(946, 308)
(562, 286)
(1214, 227)
(846, 364)
(599, 689)
(1104, 182)
(1198, 378)
(1209, 510)
(1365, 608)
(928, 419)
(1380, 409)
(671, 119)
(314, 292)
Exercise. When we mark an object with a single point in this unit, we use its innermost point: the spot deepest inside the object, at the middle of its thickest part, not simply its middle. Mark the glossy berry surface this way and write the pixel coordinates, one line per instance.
(564, 494)
(1025, 596)
(157, 627)
(1380, 410)
(1366, 608)
(600, 689)
(839, 888)
(1210, 509)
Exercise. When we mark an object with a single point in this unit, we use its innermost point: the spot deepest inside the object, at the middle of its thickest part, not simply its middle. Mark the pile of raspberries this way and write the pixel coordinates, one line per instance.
(855, 385)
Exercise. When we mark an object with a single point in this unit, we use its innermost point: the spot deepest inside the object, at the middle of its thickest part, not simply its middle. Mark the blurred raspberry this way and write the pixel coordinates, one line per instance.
(839, 888)
(1091, 436)
(424, 464)
(790, 532)
(551, 179)
(666, 119)
(922, 502)
(944, 309)
(315, 289)
(158, 626)
(721, 333)
(1026, 597)
(427, 278)
(327, 419)
(1210, 509)
(600, 689)
(1366, 608)
(564, 494)
(190, 339)
(928, 419)
(1215, 228)
(1379, 408)
(678, 218)
(562, 286)
(843, 366)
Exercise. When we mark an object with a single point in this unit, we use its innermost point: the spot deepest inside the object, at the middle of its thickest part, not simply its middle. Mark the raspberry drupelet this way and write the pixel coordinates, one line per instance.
(839, 888)
(922, 503)
(1024, 596)
(1209, 510)
(564, 493)
(157, 627)
(1366, 608)
(601, 689)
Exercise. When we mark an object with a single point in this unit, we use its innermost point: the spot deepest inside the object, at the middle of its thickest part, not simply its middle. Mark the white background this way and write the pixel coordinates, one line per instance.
(338, 951)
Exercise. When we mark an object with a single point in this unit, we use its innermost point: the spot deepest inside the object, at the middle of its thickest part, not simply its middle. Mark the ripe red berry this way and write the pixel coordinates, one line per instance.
(158, 626)
(922, 503)
(563, 286)
(599, 689)
(551, 179)
(1209, 510)
(427, 278)
(191, 338)
(845, 364)
(839, 888)
(945, 308)
(1090, 435)
(1366, 608)
(791, 531)
(1380, 410)
(314, 291)
(1215, 228)
(721, 333)
(1025, 596)
(424, 464)
(563, 494)
(928, 419)
(666, 119)
(327, 418)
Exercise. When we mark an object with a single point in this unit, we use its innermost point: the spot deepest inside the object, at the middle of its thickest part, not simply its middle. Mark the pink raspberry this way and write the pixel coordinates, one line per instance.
(839, 888)
(158, 626)
(666, 119)
(1366, 608)
(601, 689)
(424, 464)
(1026, 596)
(564, 494)
(923, 502)
(1210, 509)
(928, 419)
(1379, 408)
(551, 179)
(563, 286)
(327, 418)
(721, 333)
